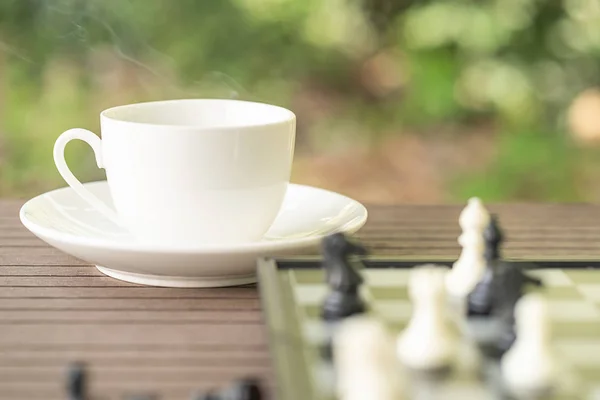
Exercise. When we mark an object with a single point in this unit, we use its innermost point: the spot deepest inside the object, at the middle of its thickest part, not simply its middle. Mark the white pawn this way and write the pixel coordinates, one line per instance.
(470, 266)
(529, 366)
(366, 367)
(427, 343)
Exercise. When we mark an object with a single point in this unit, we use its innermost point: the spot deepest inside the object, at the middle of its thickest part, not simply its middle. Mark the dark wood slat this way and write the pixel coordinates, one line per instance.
(46, 251)
(222, 357)
(163, 347)
(45, 270)
(131, 334)
(110, 373)
(57, 281)
(27, 258)
(129, 304)
(123, 292)
(129, 317)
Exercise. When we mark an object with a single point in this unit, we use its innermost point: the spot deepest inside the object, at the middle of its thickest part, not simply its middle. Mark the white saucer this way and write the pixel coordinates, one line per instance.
(63, 220)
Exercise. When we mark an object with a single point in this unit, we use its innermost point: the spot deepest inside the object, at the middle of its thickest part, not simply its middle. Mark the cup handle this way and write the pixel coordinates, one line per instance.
(59, 159)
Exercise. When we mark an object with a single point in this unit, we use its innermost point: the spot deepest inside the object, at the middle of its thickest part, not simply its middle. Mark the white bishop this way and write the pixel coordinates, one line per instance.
(427, 343)
(470, 266)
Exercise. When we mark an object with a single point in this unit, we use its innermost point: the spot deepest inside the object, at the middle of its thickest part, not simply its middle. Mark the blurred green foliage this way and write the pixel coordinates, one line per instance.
(356, 70)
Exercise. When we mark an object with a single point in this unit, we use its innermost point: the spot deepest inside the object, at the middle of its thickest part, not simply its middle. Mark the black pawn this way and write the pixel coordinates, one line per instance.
(481, 300)
(342, 278)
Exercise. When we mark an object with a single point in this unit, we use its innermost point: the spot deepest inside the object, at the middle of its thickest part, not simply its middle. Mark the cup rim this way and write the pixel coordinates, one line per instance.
(106, 114)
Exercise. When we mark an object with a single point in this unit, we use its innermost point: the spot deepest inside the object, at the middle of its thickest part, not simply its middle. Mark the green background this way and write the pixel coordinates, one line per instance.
(397, 101)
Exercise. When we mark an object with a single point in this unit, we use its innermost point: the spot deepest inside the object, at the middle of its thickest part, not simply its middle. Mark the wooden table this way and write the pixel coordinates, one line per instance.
(55, 309)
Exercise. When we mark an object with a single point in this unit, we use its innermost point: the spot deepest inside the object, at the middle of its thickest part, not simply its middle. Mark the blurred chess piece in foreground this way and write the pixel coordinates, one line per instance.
(583, 117)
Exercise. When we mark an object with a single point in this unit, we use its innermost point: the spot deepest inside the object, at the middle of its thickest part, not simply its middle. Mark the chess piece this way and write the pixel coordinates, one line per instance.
(76, 381)
(244, 389)
(511, 281)
(241, 389)
(366, 367)
(506, 334)
(468, 270)
(529, 367)
(470, 266)
(343, 279)
(427, 343)
(480, 300)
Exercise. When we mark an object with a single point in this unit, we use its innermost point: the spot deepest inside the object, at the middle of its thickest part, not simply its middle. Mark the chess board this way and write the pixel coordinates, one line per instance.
(292, 291)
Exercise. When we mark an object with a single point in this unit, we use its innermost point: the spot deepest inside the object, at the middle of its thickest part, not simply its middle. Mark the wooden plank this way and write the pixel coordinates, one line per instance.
(64, 281)
(142, 371)
(133, 357)
(124, 292)
(32, 258)
(128, 304)
(129, 317)
(45, 270)
(89, 334)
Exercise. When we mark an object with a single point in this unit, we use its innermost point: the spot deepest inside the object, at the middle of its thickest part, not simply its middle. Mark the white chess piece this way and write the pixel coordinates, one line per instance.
(366, 367)
(470, 266)
(427, 343)
(529, 365)
(468, 270)
(474, 217)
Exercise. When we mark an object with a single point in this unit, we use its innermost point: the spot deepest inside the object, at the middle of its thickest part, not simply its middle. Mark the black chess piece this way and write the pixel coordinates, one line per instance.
(76, 381)
(502, 284)
(511, 281)
(480, 300)
(342, 278)
(506, 334)
(244, 389)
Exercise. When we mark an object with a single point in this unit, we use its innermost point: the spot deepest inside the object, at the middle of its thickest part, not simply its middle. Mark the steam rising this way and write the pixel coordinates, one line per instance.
(81, 28)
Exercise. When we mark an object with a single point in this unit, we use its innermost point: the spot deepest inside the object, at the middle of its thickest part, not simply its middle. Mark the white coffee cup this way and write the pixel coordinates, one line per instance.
(190, 172)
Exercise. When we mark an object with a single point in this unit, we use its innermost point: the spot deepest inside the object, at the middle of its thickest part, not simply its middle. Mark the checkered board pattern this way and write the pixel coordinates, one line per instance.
(298, 334)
